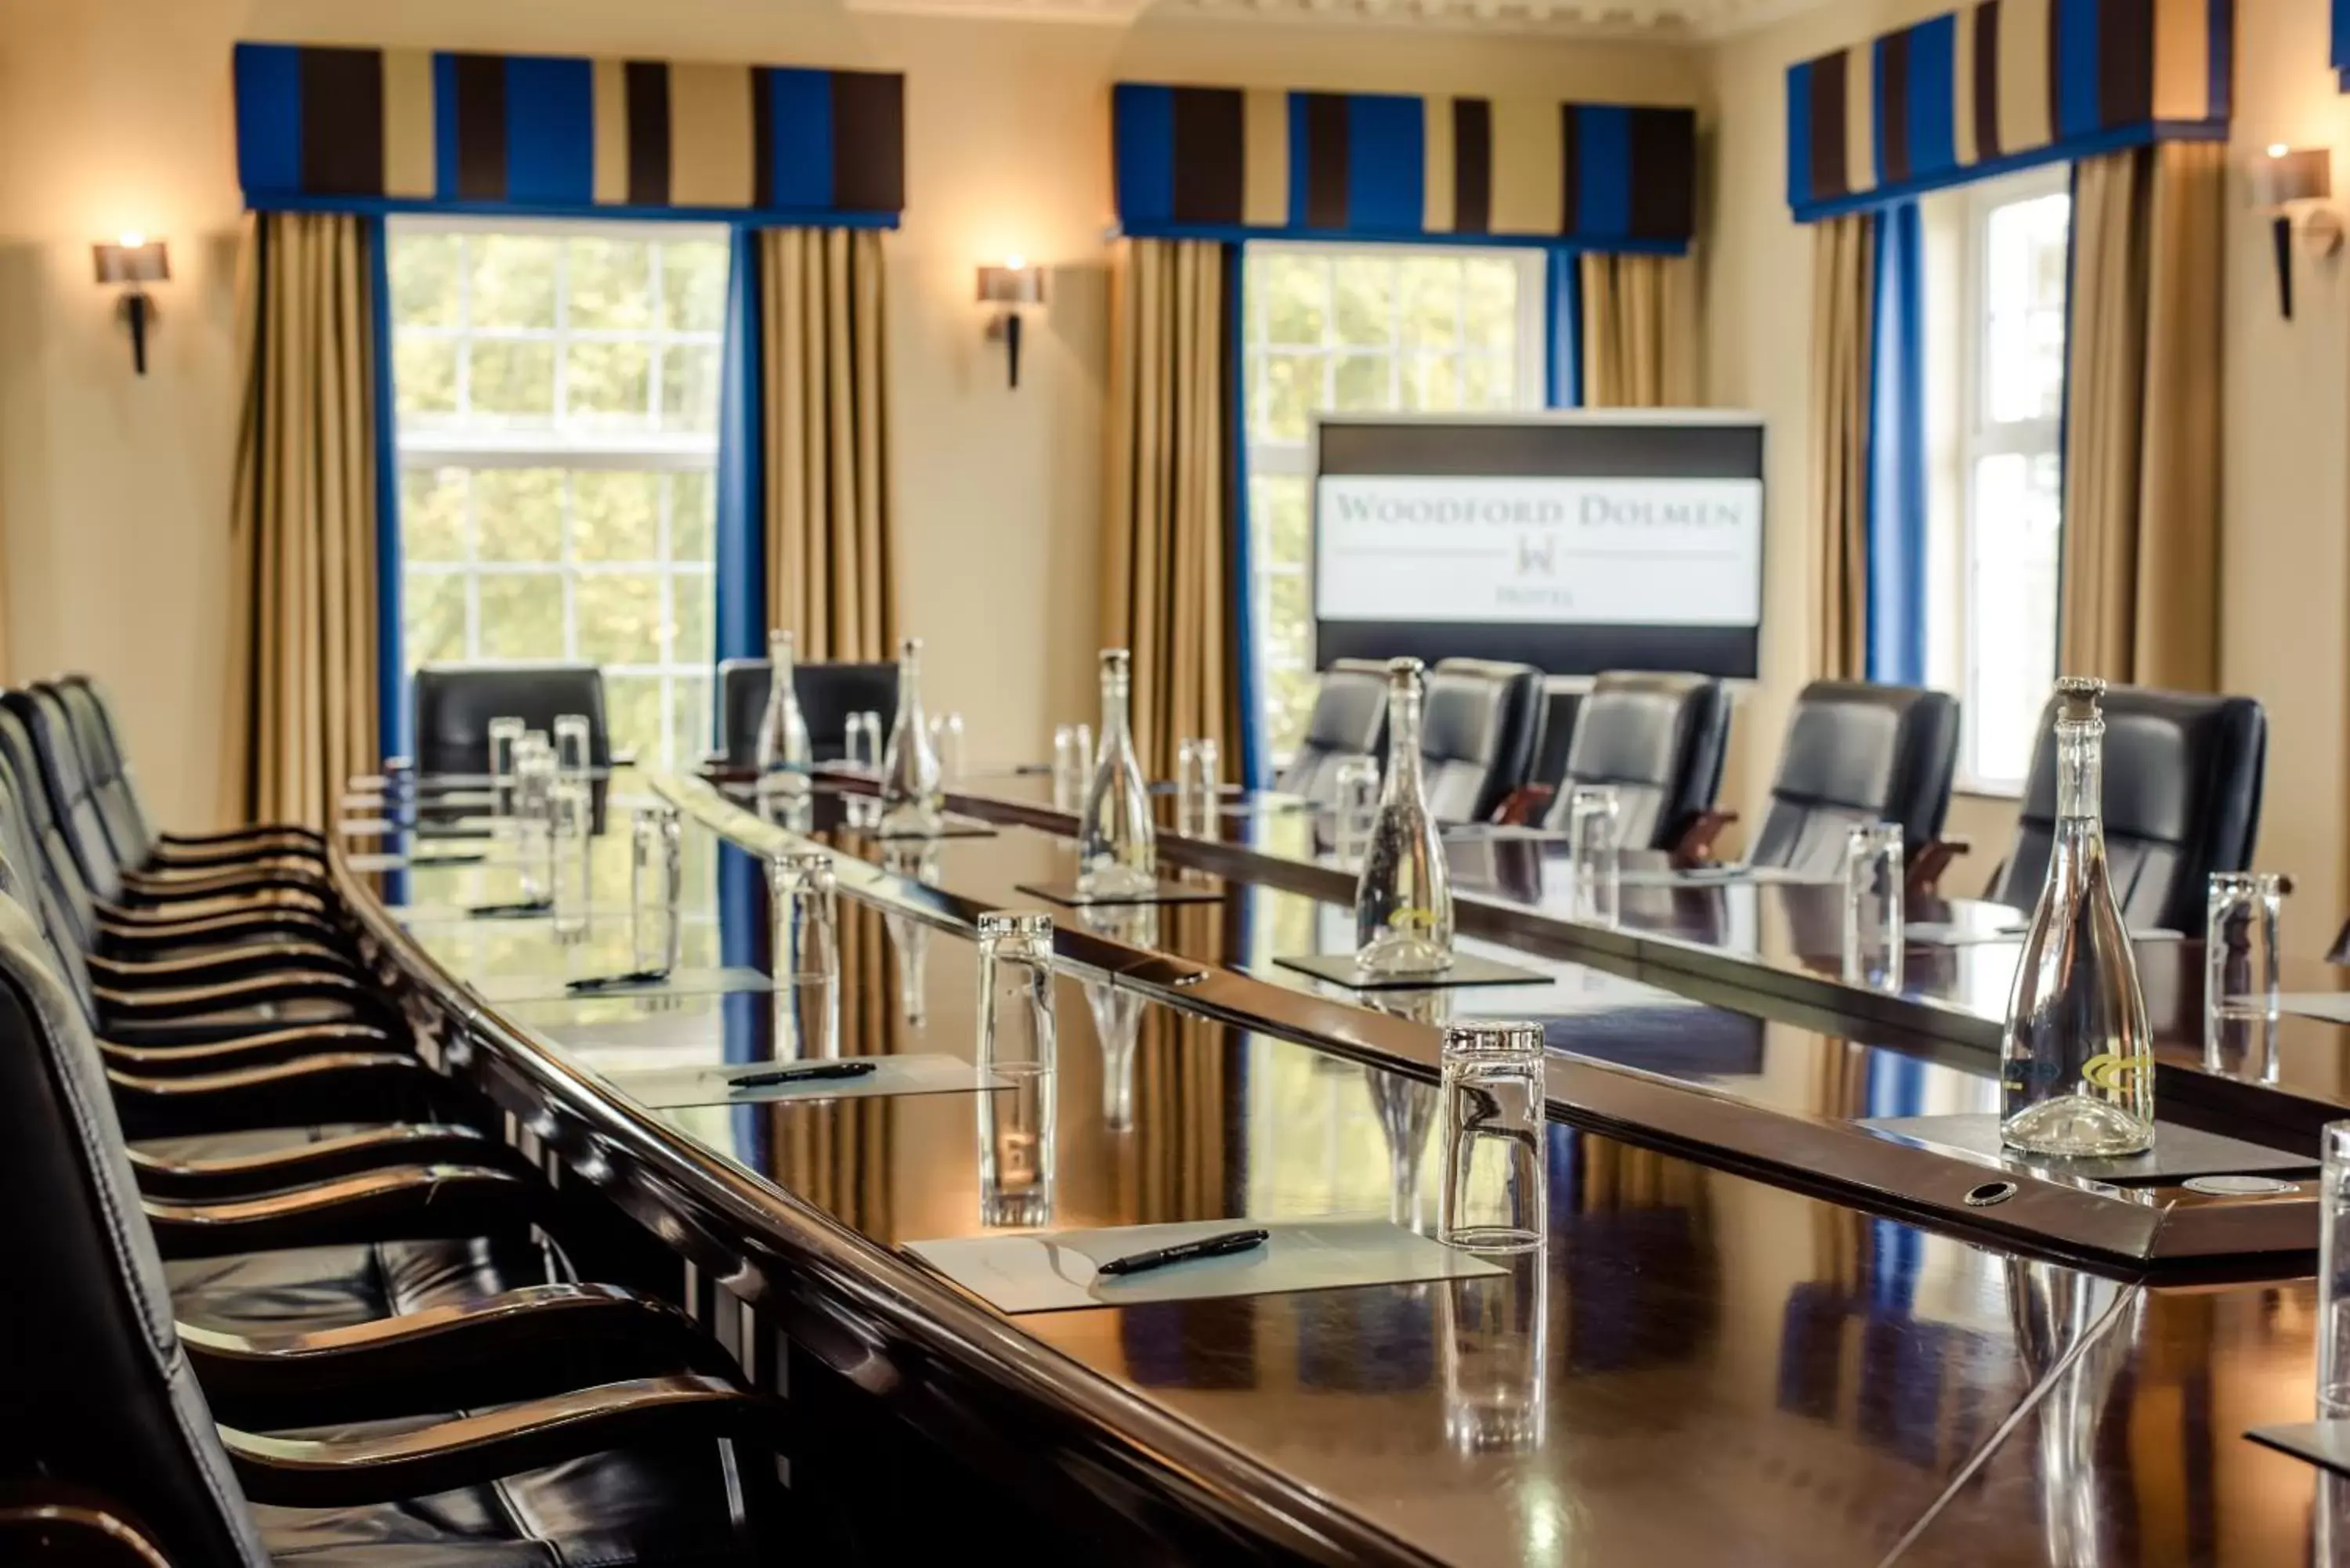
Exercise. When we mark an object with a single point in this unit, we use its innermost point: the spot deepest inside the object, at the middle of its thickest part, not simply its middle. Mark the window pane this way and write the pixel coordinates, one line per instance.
(604, 383)
(691, 606)
(424, 372)
(432, 514)
(518, 514)
(1277, 507)
(689, 389)
(632, 707)
(615, 516)
(693, 517)
(514, 281)
(1431, 302)
(1363, 290)
(432, 616)
(1362, 384)
(619, 617)
(2012, 608)
(1431, 383)
(694, 286)
(611, 285)
(2024, 247)
(1287, 388)
(690, 725)
(521, 615)
(1296, 294)
(512, 379)
(1489, 309)
(424, 281)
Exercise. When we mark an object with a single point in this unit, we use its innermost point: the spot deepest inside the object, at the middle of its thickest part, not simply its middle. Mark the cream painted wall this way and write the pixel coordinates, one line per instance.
(113, 491)
(2285, 517)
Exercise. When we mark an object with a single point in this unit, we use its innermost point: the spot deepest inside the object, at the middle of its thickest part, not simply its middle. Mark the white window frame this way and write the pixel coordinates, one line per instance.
(1981, 437)
(554, 446)
(1295, 459)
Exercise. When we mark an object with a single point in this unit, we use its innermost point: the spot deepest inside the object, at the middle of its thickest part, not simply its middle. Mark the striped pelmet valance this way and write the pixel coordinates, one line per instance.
(2340, 50)
(1230, 162)
(2003, 85)
(376, 130)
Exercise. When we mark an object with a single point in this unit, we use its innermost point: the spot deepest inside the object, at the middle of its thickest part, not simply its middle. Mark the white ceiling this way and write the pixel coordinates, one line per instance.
(1663, 21)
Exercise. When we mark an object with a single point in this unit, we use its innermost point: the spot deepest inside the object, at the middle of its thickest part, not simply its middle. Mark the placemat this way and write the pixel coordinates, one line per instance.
(684, 982)
(1160, 892)
(1057, 1270)
(2178, 1151)
(673, 1088)
(2332, 1006)
(1468, 969)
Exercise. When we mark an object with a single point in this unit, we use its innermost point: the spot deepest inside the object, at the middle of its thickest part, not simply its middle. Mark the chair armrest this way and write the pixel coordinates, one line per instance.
(62, 1526)
(525, 1344)
(1928, 858)
(211, 969)
(216, 929)
(412, 1203)
(1695, 847)
(342, 1086)
(1525, 804)
(289, 830)
(291, 1043)
(251, 991)
(183, 857)
(299, 1472)
(370, 1148)
(304, 900)
(171, 887)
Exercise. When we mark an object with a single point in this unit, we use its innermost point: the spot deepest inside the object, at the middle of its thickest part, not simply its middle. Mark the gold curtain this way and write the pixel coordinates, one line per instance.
(831, 544)
(1843, 270)
(1640, 331)
(1170, 514)
(2140, 595)
(301, 715)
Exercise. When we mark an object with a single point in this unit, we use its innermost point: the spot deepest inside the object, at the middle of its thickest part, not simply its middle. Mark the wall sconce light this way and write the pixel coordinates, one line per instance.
(133, 260)
(1013, 284)
(2293, 182)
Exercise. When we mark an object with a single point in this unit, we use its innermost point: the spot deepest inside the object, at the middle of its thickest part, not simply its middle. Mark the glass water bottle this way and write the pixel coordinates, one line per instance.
(1118, 848)
(2077, 1056)
(784, 756)
(911, 804)
(1403, 900)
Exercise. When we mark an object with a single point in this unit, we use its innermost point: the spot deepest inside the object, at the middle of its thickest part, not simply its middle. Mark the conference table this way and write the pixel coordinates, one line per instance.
(1785, 1313)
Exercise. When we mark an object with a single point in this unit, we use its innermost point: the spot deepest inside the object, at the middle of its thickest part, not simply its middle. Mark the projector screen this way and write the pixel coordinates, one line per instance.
(1576, 543)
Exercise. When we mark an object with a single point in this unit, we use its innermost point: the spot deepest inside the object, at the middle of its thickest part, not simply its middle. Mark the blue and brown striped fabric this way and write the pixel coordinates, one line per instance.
(384, 130)
(1232, 163)
(1999, 86)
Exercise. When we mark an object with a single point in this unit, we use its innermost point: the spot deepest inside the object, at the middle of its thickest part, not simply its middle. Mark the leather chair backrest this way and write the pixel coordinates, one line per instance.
(1656, 739)
(1857, 752)
(58, 764)
(118, 801)
(1348, 720)
(2184, 775)
(91, 1367)
(830, 693)
(26, 875)
(1554, 735)
(57, 867)
(1477, 734)
(455, 703)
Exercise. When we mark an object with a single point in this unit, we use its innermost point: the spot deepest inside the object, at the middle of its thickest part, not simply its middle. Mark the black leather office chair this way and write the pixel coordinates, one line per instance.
(455, 703)
(1857, 752)
(118, 1386)
(828, 691)
(1349, 719)
(1657, 741)
(2182, 799)
(1477, 734)
(1554, 737)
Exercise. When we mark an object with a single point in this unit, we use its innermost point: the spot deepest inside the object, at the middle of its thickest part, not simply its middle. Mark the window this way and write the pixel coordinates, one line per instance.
(2011, 412)
(558, 392)
(1360, 330)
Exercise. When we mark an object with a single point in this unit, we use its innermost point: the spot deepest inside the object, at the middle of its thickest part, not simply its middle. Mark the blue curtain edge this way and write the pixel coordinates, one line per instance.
(741, 611)
(1243, 559)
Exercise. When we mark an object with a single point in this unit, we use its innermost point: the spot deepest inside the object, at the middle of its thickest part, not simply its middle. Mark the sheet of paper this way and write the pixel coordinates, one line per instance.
(1937, 934)
(1721, 877)
(671, 1088)
(684, 983)
(1056, 1270)
(2332, 1006)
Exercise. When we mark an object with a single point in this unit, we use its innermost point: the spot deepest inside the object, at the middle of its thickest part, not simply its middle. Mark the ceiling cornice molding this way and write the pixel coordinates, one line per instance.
(1654, 21)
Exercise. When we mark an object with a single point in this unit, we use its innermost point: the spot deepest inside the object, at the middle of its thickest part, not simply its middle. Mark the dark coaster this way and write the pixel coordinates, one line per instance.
(1163, 892)
(2325, 1444)
(951, 826)
(1468, 969)
(2178, 1152)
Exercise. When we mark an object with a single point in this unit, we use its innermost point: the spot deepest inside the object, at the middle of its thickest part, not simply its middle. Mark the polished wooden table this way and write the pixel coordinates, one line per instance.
(1713, 1360)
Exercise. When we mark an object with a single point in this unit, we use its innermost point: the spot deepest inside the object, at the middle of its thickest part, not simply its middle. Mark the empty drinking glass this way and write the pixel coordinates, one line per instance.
(1493, 1198)
(534, 788)
(806, 955)
(946, 740)
(2333, 1276)
(572, 746)
(1354, 807)
(861, 741)
(1073, 765)
(1594, 851)
(2239, 973)
(1016, 1041)
(656, 852)
(568, 807)
(1874, 868)
(505, 735)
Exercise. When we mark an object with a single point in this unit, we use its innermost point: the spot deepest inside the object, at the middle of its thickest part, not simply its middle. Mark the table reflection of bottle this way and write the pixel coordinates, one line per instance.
(909, 938)
(1496, 1390)
(1117, 1013)
(2057, 1309)
(1407, 1110)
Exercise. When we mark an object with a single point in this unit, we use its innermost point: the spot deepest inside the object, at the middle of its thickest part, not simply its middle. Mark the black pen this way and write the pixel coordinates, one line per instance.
(1231, 1241)
(794, 1074)
(607, 982)
(423, 860)
(512, 912)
